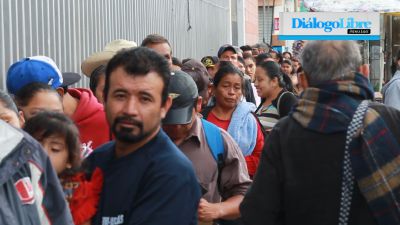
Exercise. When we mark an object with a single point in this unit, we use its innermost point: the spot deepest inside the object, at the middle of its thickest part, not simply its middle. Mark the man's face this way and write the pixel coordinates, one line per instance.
(229, 55)
(212, 70)
(134, 105)
(250, 68)
(248, 52)
(163, 49)
(178, 132)
(255, 52)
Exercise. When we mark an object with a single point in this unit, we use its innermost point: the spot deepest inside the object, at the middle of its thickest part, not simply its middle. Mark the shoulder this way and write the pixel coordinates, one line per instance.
(99, 157)
(288, 97)
(390, 115)
(165, 155)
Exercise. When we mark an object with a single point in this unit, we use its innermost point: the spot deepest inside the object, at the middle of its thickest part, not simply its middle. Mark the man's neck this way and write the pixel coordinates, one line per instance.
(70, 104)
(124, 148)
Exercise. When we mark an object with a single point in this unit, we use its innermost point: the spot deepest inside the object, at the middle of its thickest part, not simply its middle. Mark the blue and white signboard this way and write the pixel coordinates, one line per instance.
(329, 26)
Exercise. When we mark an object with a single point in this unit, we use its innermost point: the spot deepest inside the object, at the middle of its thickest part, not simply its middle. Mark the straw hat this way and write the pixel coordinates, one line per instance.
(101, 58)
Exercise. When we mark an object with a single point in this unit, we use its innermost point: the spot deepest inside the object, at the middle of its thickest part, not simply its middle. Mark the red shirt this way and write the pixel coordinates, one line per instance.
(251, 160)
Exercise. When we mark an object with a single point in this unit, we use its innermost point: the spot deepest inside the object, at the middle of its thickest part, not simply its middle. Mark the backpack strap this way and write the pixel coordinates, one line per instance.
(263, 131)
(347, 171)
(279, 101)
(215, 143)
(206, 111)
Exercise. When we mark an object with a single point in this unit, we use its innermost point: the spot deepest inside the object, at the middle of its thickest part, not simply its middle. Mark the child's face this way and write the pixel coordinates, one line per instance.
(57, 151)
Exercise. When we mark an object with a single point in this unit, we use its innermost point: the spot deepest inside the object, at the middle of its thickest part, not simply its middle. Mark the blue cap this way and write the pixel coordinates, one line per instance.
(40, 69)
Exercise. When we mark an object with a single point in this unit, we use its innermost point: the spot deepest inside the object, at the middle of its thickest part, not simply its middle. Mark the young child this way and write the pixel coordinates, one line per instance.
(60, 138)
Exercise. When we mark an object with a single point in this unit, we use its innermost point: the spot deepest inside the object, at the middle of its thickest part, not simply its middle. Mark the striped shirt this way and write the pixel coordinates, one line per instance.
(268, 116)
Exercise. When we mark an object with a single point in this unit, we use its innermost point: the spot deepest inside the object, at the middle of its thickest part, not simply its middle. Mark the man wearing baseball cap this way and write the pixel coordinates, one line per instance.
(78, 103)
(228, 52)
(224, 181)
(210, 62)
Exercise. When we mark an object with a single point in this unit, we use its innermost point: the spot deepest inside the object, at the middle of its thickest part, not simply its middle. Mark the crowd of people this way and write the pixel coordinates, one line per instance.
(248, 136)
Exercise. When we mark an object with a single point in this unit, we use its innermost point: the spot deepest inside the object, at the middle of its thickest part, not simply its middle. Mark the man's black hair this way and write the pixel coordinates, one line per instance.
(139, 62)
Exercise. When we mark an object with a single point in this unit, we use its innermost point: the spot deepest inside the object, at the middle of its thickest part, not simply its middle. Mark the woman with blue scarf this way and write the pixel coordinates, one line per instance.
(235, 116)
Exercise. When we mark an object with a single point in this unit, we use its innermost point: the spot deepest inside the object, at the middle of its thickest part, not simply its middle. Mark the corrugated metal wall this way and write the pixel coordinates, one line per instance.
(70, 30)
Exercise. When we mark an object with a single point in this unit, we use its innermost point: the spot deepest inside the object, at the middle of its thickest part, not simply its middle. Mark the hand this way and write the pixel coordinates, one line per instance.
(208, 211)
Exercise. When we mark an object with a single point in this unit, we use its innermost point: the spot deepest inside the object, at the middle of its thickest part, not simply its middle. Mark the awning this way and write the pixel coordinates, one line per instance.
(353, 5)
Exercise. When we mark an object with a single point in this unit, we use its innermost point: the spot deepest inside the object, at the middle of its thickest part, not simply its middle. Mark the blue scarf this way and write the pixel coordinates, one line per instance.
(375, 152)
(243, 127)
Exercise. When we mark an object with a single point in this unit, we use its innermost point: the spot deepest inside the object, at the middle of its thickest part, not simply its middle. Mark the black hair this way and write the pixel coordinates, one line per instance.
(287, 53)
(95, 77)
(273, 70)
(246, 48)
(287, 61)
(226, 68)
(139, 62)
(241, 60)
(280, 57)
(249, 56)
(8, 102)
(25, 94)
(47, 123)
(262, 57)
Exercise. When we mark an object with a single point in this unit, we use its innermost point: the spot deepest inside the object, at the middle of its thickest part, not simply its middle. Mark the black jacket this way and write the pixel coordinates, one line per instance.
(299, 177)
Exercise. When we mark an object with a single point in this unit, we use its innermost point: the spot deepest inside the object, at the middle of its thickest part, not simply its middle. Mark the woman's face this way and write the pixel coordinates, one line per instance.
(296, 65)
(229, 91)
(287, 68)
(287, 56)
(57, 151)
(264, 85)
(43, 100)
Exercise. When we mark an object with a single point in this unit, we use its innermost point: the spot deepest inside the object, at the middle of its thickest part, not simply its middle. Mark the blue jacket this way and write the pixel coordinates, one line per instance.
(30, 192)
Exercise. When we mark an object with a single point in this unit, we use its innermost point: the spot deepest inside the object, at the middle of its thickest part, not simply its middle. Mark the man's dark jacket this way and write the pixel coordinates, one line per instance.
(299, 177)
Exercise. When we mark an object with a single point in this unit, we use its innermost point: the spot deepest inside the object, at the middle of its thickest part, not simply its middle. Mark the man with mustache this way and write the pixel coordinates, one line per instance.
(147, 179)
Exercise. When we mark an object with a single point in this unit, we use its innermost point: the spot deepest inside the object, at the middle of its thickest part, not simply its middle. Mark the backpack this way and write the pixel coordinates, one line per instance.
(216, 145)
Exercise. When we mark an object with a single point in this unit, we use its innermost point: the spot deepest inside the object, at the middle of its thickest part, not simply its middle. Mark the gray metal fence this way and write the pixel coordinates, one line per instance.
(70, 30)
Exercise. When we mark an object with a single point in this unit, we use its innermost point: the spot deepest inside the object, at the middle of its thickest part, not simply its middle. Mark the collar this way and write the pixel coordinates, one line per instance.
(195, 131)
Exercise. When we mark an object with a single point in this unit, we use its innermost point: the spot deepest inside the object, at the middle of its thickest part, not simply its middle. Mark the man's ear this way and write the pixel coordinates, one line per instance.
(60, 91)
(165, 107)
(364, 70)
(198, 104)
(303, 80)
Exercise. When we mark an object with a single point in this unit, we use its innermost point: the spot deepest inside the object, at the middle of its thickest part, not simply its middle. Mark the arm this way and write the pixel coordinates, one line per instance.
(286, 103)
(228, 209)
(234, 184)
(262, 204)
(253, 159)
